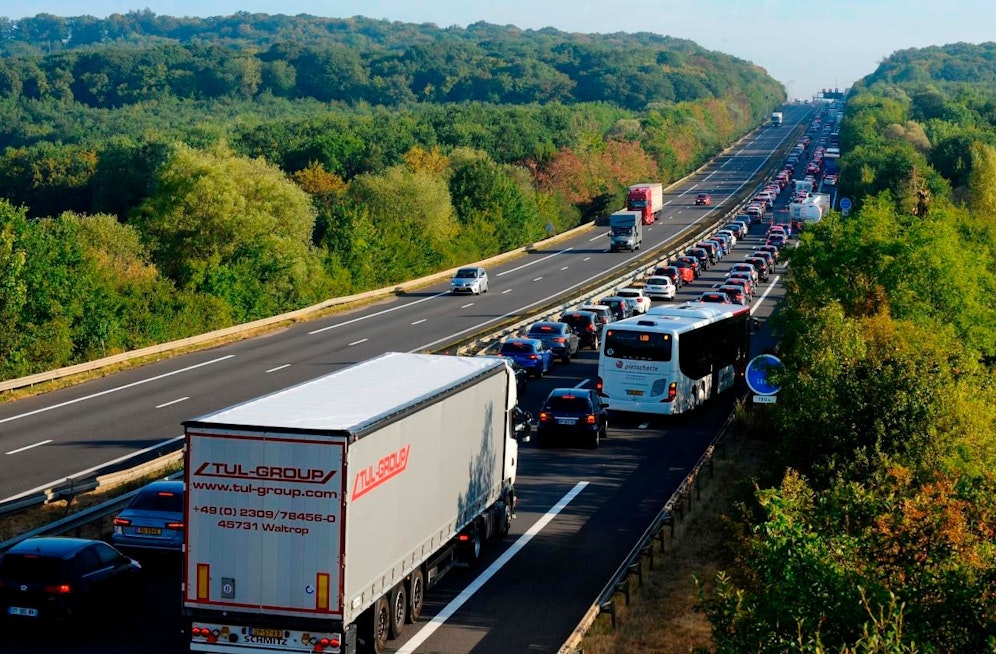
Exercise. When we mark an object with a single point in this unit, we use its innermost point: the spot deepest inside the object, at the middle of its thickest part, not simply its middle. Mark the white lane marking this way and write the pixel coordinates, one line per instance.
(447, 612)
(597, 238)
(644, 425)
(565, 268)
(537, 279)
(467, 306)
(507, 290)
(419, 322)
(379, 313)
(114, 390)
(28, 447)
(531, 263)
(765, 294)
(586, 258)
(581, 383)
(182, 399)
(362, 340)
(286, 365)
(89, 470)
(667, 203)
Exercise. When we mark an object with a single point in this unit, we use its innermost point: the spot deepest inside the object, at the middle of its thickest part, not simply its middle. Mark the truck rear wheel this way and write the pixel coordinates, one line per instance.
(376, 627)
(398, 601)
(416, 595)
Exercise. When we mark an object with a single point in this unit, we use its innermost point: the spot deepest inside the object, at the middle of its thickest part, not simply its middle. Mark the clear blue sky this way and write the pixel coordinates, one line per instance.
(805, 45)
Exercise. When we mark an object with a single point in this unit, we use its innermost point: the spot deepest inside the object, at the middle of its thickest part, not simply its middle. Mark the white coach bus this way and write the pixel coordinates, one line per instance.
(672, 359)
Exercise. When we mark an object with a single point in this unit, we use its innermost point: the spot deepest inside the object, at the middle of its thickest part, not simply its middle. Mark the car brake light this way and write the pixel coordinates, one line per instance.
(174, 525)
(672, 392)
(590, 419)
(544, 416)
(560, 339)
(165, 494)
(121, 522)
(533, 357)
(591, 328)
(59, 589)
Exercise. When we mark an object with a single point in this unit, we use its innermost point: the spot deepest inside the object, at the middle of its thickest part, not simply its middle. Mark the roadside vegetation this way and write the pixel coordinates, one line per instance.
(881, 534)
(164, 177)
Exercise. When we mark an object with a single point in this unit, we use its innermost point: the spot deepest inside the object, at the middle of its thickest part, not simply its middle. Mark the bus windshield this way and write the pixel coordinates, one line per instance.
(637, 345)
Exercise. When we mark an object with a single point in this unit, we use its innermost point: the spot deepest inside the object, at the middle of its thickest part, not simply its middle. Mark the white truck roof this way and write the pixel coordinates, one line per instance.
(356, 397)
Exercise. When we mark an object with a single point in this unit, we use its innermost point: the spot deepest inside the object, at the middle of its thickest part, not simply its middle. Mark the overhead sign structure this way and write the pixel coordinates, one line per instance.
(756, 376)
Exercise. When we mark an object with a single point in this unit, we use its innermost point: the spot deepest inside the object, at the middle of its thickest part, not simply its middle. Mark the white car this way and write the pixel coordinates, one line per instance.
(642, 300)
(659, 287)
(744, 267)
(729, 234)
(469, 280)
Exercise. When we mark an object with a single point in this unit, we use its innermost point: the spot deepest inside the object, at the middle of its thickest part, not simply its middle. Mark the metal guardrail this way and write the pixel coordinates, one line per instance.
(172, 450)
(675, 507)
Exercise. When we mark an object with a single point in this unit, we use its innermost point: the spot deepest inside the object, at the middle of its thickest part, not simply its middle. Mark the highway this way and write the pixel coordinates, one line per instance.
(580, 511)
(52, 436)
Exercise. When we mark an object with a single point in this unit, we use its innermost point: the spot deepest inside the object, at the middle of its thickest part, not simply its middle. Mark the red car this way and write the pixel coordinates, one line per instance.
(703, 198)
(690, 263)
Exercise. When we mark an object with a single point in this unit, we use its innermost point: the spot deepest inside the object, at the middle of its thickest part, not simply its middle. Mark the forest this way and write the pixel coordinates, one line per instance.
(163, 177)
(875, 528)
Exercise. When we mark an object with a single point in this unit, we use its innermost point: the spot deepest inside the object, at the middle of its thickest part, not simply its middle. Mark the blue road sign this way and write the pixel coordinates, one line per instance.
(757, 374)
(845, 204)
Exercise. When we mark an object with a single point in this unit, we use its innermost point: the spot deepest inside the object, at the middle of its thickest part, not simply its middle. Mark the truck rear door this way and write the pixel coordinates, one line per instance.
(264, 522)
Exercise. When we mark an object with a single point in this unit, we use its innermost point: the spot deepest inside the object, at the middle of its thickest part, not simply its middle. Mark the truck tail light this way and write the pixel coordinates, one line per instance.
(599, 385)
(672, 392)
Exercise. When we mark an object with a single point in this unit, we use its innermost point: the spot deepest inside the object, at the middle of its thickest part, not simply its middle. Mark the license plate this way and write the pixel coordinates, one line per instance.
(149, 531)
(567, 421)
(634, 391)
(267, 633)
(16, 610)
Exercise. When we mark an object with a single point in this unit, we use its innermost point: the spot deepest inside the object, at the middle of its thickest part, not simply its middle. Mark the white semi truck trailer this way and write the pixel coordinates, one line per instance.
(317, 516)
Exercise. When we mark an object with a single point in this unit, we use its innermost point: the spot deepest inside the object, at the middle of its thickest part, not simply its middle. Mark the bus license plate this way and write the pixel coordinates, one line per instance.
(634, 391)
(16, 610)
(267, 633)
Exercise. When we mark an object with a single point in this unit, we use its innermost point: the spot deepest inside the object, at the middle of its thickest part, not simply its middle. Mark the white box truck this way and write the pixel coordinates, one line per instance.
(625, 230)
(318, 515)
(776, 119)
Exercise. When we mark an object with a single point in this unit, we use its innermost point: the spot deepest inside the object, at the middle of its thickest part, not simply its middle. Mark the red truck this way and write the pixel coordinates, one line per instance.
(648, 199)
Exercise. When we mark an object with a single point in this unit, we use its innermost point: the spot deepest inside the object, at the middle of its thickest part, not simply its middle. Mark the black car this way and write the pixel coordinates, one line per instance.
(671, 272)
(587, 325)
(700, 255)
(56, 579)
(620, 307)
(557, 336)
(574, 416)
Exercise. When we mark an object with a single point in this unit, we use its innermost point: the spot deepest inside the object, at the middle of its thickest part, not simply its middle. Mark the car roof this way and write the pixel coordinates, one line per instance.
(54, 546)
(164, 486)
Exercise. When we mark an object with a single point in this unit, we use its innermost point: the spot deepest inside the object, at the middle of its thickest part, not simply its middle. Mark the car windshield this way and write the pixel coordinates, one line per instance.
(658, 281)
(568, 404)
(151, 500)
(628, 294)
(30, 568)
(517, 348)
(466, 274)
(575, 320)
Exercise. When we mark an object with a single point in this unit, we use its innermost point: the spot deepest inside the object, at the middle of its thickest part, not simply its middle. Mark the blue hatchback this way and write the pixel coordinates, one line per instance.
(530, 353)
(153, 520)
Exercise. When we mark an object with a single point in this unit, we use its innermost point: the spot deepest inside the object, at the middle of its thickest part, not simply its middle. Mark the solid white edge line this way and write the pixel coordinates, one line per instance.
(447, 612)
(28, 447)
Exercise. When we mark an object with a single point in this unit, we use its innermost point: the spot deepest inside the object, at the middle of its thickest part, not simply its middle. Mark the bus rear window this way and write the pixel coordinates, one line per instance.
(637, 345)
